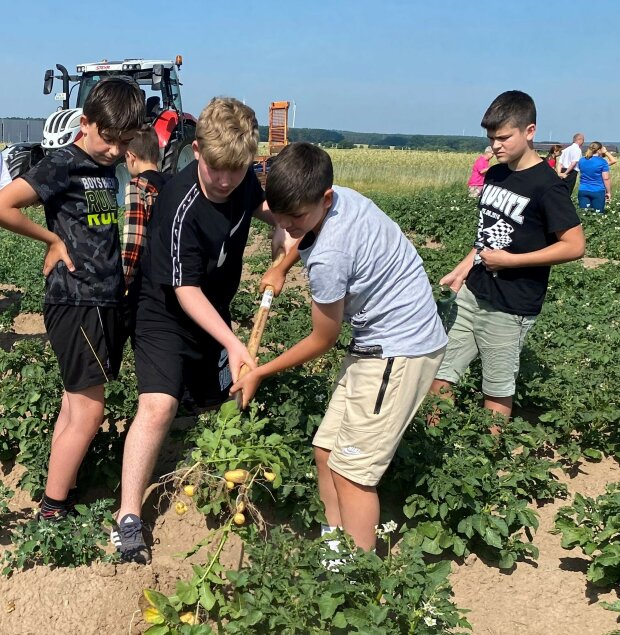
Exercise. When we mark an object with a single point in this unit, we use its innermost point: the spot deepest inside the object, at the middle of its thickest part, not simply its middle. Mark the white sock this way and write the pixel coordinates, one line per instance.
(327, 529)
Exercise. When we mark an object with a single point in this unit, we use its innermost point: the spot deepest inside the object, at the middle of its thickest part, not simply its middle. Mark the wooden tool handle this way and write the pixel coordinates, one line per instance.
(260, 319)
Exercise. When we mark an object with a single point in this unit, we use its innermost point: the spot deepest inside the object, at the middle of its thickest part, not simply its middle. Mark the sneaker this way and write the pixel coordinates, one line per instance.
(127, 537)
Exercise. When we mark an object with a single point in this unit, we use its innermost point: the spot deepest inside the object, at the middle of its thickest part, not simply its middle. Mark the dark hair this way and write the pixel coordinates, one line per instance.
(553, 149)
(510, 108)
(300, 175)
(115, 105)
(145, 144)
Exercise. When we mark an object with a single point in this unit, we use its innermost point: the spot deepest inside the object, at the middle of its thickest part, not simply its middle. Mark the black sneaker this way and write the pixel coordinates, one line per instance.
(128, 540)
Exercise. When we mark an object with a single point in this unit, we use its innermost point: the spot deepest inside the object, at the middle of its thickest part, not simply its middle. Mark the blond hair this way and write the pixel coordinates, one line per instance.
(227, 134)
(593, 148)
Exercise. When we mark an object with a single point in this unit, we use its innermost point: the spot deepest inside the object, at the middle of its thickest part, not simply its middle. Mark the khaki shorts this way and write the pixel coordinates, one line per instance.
(479, 329)
(373, 403)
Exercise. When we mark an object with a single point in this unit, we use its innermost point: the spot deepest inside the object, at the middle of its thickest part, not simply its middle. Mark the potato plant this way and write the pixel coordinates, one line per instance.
(396, 595)
(593, 525)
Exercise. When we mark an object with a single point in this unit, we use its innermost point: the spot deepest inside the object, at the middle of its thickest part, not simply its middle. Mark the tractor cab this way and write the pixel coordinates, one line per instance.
(161, 87)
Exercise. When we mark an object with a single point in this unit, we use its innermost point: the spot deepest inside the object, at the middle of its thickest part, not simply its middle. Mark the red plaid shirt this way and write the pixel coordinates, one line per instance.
(140, 197)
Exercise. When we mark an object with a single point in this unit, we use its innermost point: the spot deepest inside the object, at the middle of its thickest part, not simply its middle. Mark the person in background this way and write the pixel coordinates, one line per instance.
(554, 152)
(479, 169)
(594, 182)
(5, 175)
(567, 166)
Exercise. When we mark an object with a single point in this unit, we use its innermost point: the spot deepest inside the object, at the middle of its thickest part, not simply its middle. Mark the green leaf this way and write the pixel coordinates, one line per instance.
(207, 599)
(492, 538)
(187, 593)
(328, 605)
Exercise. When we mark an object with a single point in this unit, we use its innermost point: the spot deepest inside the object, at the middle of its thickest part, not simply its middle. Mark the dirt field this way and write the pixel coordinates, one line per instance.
(548, 597)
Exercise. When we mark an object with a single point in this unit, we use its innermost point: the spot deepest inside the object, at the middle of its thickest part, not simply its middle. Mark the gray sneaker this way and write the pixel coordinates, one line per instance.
(127, 537)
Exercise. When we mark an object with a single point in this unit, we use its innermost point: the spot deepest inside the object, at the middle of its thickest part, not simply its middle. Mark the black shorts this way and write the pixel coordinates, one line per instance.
(168, 362)
(88, 342)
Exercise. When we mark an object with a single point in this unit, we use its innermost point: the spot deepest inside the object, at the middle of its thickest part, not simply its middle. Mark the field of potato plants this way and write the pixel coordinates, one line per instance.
(496, 535)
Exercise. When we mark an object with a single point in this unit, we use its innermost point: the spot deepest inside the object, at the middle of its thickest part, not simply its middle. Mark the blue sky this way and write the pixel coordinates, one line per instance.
(391, 66)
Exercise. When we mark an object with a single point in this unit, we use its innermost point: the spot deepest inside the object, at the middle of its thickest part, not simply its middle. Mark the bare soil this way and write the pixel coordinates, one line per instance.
(546, 597)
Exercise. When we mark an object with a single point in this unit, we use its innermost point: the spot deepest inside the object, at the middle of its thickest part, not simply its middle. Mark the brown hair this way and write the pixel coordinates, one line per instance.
(145, 144)
(227, 134)
(115, 105)
(513, 107)
(300, 175)
(553, 150)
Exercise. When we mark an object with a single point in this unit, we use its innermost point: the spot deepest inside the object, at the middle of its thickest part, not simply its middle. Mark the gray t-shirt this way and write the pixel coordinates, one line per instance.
(361, 255)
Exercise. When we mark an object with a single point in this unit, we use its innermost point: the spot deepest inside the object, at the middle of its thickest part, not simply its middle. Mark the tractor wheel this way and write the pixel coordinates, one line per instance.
(180, 153)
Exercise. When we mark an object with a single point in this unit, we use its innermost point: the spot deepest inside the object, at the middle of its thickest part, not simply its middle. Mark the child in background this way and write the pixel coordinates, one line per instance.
(142, 157)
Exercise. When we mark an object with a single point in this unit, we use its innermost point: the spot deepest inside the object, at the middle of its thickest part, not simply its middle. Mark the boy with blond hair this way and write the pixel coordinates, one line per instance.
(191, 270)
(84, 285)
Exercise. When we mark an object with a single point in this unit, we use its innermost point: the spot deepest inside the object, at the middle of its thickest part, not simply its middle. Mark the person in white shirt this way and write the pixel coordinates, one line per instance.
(567, 167)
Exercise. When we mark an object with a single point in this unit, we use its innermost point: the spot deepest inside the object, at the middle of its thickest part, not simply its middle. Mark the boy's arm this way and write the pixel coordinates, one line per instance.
(133, 229)
(457, 276)
(262, 212)
(571, 245)
(194, 302)
(326, 326)
(20, 194)
(281, 241)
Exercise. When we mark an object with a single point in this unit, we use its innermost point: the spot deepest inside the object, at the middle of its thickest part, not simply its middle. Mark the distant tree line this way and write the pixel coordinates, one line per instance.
(346, 139)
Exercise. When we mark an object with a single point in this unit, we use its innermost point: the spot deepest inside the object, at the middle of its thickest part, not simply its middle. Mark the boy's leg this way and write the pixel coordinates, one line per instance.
(327, 488)
(71, 444)
(85, 341)
(382, 396)
(323, 442)
(359, 509)
(460, 351)
(500, 337)
(144, 440)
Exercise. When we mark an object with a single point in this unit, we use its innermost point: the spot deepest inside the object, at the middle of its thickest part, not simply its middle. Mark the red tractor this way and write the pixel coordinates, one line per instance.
(160, 84)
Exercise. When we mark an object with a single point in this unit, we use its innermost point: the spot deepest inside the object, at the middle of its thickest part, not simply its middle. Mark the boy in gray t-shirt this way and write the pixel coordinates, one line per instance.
(362, 270)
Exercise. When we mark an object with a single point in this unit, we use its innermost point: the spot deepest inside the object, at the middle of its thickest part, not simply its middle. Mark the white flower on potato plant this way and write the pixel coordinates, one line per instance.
(430, 621)
(427, 607)
(589, 327)
(386, 528)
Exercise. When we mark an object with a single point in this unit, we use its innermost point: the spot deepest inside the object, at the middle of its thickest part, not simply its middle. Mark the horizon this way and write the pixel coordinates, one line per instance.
(402, 68)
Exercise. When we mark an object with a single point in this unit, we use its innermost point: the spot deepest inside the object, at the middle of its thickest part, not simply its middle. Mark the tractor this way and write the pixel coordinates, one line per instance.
(163, 110)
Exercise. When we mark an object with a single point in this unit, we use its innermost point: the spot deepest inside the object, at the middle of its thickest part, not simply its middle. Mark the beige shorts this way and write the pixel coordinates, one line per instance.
(373, 403)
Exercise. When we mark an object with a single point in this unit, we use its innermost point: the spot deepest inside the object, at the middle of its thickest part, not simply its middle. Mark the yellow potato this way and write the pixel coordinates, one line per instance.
(237, 476)
(239, 519)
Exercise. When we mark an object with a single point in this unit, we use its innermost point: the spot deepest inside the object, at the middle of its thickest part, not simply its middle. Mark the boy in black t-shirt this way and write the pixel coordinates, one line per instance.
(84, 284)
(527, 223)
(191, 268)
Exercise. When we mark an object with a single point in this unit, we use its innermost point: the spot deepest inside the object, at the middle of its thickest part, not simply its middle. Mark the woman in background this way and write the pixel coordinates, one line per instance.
(594, 181)
(479, 169)
(554, 152)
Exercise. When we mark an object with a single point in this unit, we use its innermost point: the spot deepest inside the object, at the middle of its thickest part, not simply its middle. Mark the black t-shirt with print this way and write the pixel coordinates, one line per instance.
(79, 198)
(194, 242)
(520, 211)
